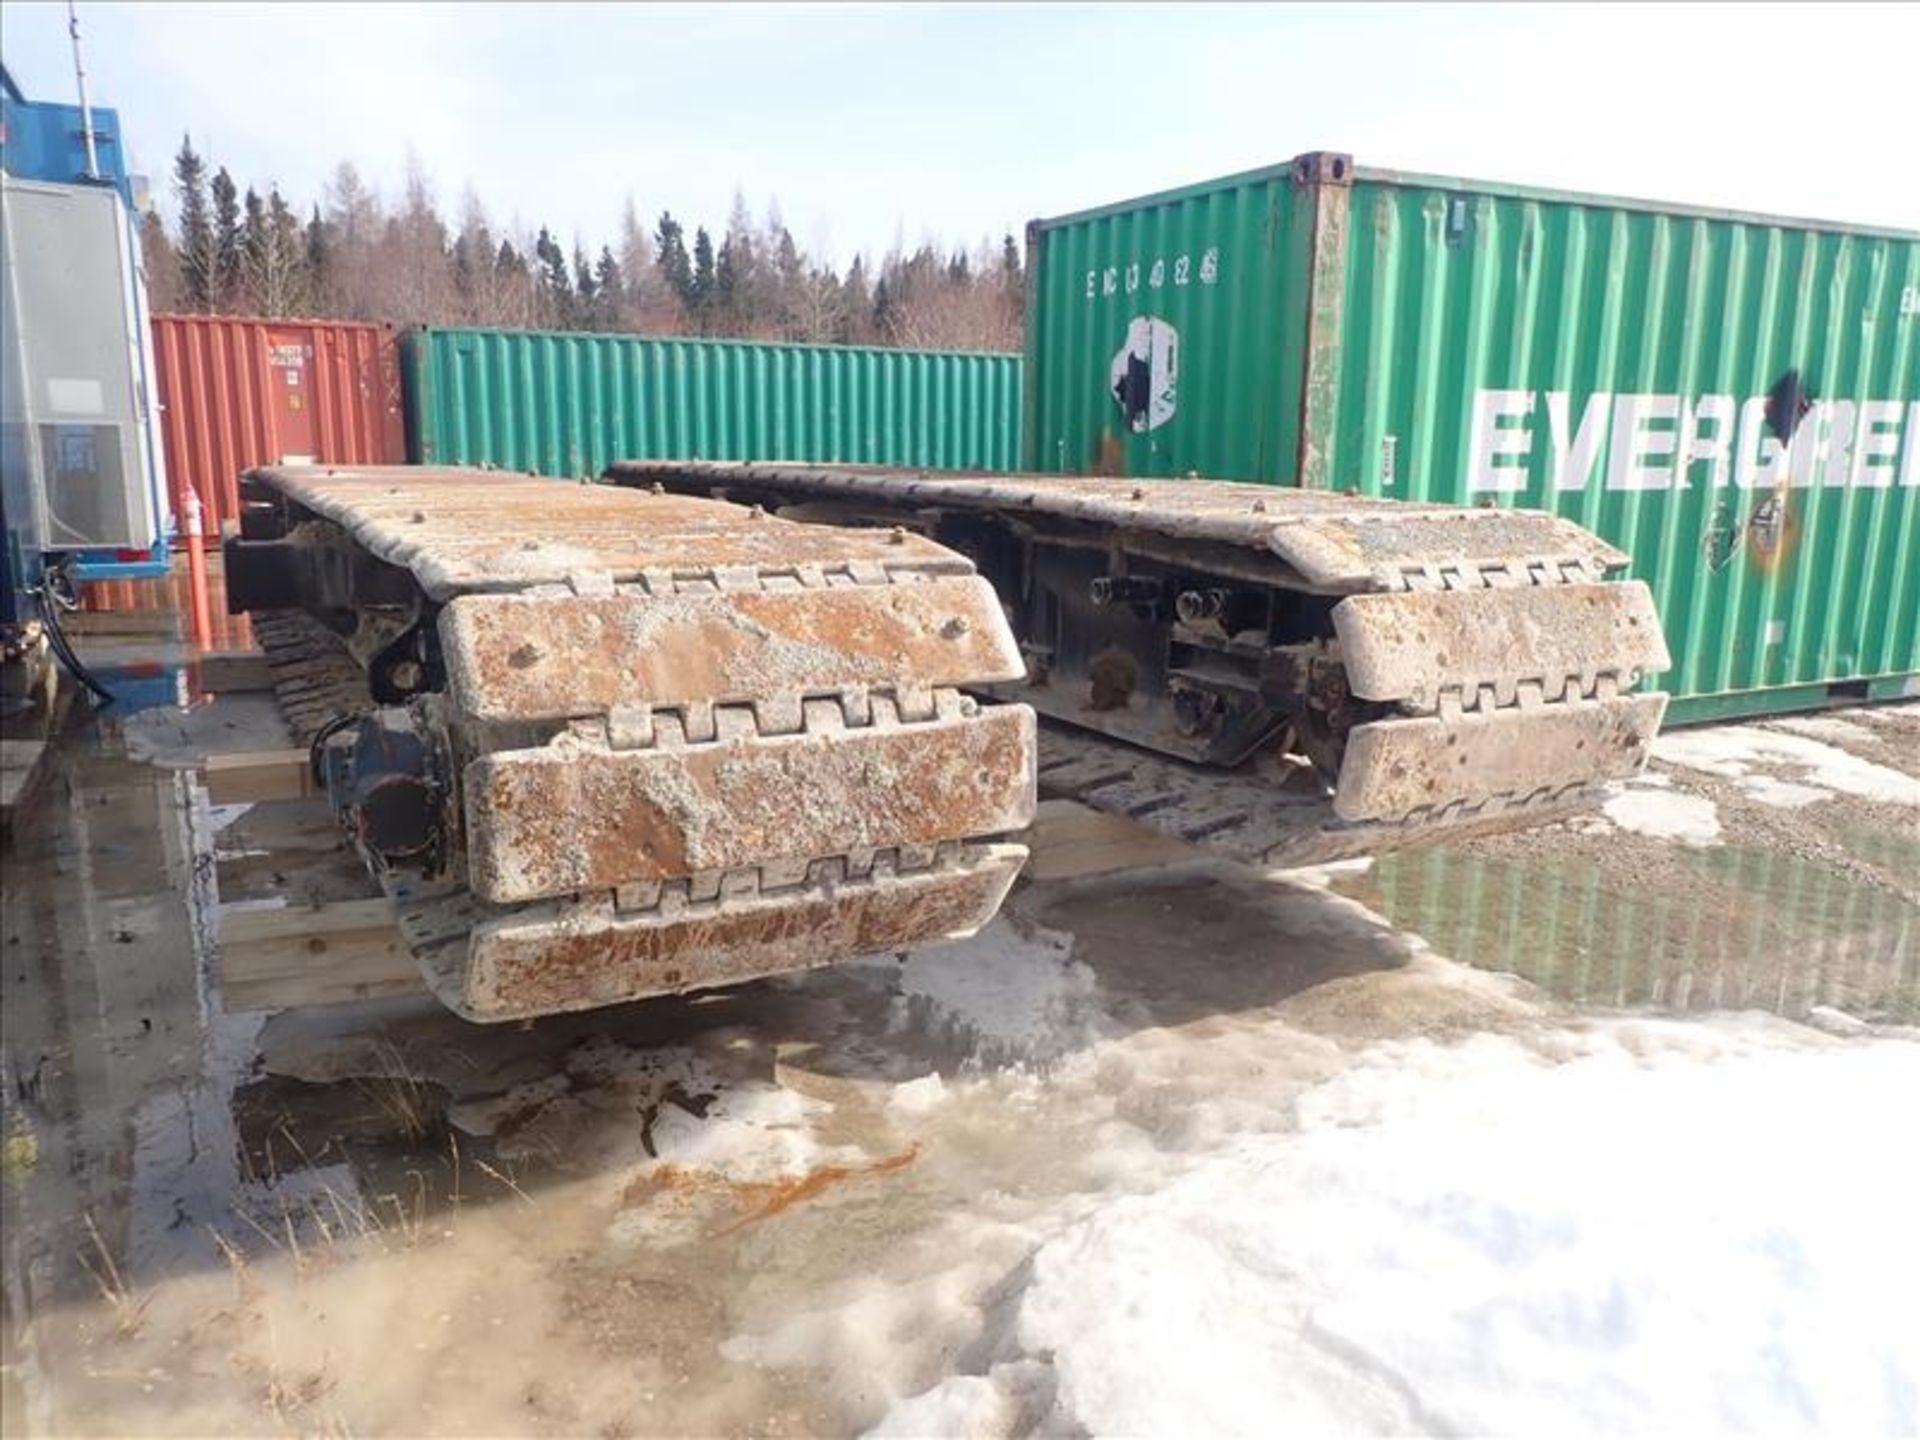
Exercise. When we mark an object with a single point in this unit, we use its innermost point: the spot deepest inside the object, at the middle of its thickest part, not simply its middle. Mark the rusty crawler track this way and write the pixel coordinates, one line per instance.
(1279, 675)
(1275, 821)
(315, 678)
(634, 743)
(642, 745)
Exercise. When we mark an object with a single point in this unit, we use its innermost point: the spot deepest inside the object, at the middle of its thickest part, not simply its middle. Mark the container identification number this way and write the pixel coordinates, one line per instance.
(1111, 280)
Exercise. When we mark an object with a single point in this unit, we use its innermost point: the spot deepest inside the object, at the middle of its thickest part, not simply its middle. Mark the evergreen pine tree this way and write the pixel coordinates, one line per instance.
(670, 256)
(701, 289)
(255, 257)
(197, 264)
(515, 287)
(609, 293)
(555, 283)
(856, 306)
(289, 255)
(317, 253)
(229, 253)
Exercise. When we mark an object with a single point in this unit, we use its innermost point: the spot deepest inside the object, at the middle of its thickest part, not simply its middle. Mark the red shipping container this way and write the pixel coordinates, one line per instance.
(237, 391)
(169, 595)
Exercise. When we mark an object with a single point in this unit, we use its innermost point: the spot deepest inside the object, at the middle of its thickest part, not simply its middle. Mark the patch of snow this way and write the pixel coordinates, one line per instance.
(677, 1140)
(963, 1407)
(1007, 995)
(751, 1132)
(917, 1097)
(482, 1117)
(181, 736)
(158, 736)
(1475, 1239)
(702, 1117)
(1836, 1022)
(716, 1142)
(1734, 751)
(1826, 727)
(219, 817)
(1320, 877)
(1654, 779)
(1690, 819)
(1783, 793)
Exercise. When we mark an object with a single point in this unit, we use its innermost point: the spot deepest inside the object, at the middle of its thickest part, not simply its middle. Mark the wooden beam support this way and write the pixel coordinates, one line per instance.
(102, 623)
(254, 775)
(290, 956)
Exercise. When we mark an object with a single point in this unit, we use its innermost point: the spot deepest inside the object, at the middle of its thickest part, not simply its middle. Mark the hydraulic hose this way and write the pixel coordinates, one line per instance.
(49, 603)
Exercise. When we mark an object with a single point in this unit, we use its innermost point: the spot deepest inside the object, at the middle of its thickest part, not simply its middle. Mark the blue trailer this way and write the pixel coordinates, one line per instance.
(82, 479)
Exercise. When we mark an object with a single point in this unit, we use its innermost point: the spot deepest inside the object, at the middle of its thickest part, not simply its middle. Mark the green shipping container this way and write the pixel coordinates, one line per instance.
(1734, 400)
(569, 404)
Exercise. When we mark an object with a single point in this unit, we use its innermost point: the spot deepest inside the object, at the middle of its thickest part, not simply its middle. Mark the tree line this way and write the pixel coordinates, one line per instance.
(352, 255)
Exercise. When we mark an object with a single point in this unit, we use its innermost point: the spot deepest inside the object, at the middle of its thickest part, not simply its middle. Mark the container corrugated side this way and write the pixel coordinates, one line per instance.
(239, 391)
(1732, 400)
(1162, 335)
(1632, 365)
(569, 404)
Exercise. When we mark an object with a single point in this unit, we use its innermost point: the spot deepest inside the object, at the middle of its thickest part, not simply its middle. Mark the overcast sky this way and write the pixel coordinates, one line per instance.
(871, 122)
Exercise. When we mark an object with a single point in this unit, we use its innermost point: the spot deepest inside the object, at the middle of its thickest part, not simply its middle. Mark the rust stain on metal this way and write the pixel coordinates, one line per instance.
(699, 744)
(483, 531)
(1339, 543)
(1112, 676)
(570, 816)
(694, 743)
(1413, 645)
(574, 958)
(1772, 532)
(1400, 766)
(518, 657)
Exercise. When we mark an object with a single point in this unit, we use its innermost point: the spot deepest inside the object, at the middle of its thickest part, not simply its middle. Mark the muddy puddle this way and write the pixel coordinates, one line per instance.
(1731, 928)
(780, 1209)
(380, 1218)
(1769, 867)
